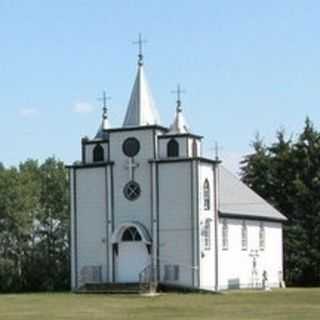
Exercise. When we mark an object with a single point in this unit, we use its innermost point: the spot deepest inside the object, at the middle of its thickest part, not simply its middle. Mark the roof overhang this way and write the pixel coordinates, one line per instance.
(237, 215)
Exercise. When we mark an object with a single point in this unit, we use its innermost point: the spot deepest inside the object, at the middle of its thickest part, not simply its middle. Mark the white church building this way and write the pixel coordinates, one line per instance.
(144, 201)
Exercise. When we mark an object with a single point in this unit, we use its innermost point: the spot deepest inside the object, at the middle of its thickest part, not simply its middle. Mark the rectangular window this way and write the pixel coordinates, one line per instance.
(206, 234)
(225, 235)
(171, 272)
(244, 236)
(206, 195)
(262, 237)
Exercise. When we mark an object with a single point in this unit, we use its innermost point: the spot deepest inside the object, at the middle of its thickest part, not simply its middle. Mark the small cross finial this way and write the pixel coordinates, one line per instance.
(140, 43)
(104, 98)
(216, 151)
(178, 92)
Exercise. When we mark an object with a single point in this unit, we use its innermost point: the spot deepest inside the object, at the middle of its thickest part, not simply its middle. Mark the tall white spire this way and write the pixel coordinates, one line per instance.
(101, 134)
(179, 124)
(141, 109)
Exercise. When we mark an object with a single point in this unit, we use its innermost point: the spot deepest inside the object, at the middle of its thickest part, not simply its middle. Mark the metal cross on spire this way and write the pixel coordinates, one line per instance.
(140, 44)
(178, 92)
(104, 98)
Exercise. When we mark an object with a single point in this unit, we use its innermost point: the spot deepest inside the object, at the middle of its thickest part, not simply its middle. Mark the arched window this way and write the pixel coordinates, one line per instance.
(194, 148)
(206, 195)
(131, 234)
(173, 148)
(244, 236)
(98, 153)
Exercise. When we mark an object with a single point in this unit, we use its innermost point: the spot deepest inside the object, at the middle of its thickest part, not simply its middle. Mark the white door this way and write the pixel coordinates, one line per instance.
(133, 257)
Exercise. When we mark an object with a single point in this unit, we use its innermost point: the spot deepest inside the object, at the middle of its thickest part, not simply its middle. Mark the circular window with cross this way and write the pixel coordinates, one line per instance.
(132, 190)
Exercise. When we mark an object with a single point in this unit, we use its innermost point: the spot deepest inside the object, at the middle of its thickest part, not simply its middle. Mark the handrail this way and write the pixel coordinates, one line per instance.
(147, 279)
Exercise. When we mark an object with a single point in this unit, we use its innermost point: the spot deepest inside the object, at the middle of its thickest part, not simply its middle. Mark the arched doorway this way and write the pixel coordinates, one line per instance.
(132, 245)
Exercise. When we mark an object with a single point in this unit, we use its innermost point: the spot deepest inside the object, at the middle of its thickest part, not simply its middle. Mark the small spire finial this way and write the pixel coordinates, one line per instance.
(216, 151)
(104, 98)
(140, 43)
(178, 92)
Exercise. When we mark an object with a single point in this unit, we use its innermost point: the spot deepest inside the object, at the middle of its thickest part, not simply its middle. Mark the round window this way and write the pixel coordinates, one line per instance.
(131, 147)
(132, 190)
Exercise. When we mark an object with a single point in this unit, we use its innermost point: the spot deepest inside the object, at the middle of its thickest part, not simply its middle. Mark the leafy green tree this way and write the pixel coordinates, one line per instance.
(15, 227)
(34, 227)
(53, 229)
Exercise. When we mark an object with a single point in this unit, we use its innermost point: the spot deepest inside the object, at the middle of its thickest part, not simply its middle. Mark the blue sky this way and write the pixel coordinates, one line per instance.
(247, 66)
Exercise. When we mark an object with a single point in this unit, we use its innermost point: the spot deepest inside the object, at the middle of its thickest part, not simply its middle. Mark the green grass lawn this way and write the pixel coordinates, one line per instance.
(299, 304)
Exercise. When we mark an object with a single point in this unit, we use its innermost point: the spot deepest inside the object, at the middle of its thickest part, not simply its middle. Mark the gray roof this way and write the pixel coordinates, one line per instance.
(238, 200)
(102, 131)
(141, 108)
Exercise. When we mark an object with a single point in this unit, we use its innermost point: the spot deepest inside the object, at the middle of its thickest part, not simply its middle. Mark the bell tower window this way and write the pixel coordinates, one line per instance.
(98, 153)
(173, 148)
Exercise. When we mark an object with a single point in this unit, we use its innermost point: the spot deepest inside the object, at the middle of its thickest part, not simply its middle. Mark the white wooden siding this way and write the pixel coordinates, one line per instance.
(91, 219)
(235, 264)
(175, 224)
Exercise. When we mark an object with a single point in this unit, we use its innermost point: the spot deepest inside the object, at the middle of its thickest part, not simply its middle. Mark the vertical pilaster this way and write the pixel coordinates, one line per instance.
(110, 222)
(71, 240)
(74, 229)
(216, 223)
(195, 223)
(154, 216)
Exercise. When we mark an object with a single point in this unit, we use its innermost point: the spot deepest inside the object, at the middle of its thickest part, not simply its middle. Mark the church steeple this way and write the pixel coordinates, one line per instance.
(179, 124)
(141, 109)
(101, 134)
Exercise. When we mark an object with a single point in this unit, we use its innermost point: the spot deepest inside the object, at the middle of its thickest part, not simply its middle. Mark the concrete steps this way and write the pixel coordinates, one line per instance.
(112, 288)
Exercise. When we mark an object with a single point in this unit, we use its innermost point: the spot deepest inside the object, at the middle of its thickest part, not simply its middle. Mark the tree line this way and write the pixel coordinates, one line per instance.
(34, 227)
(34, 212)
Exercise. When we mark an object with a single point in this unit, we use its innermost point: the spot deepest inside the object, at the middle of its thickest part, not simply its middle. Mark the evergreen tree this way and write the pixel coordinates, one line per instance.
(287, 174)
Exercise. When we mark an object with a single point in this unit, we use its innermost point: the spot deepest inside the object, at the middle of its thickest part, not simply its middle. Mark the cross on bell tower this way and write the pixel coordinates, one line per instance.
(104, 98)
(178, 92)
(131, 166)
(140, 42)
